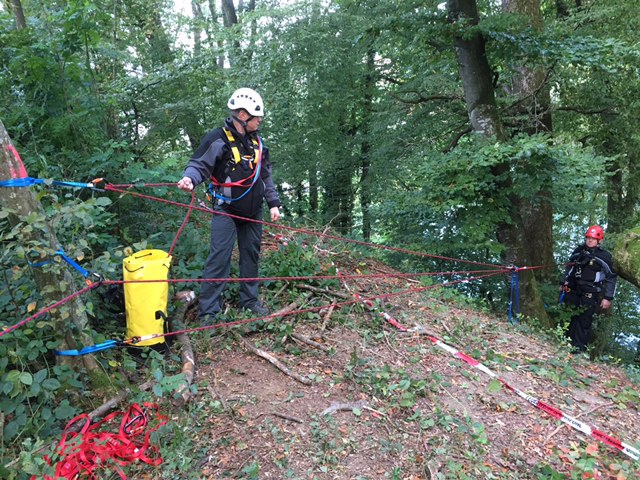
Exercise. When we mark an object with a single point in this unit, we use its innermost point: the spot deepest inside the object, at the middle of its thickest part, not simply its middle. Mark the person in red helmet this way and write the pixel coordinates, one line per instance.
(590, 285)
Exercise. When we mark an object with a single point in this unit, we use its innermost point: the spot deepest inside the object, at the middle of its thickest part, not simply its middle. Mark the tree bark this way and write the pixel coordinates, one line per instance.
(626, 256)
(477, 81)
(196, 29)
(18, 14)
(53, 284)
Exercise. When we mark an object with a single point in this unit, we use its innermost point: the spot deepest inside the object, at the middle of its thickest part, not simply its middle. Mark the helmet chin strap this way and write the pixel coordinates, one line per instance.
(244, 123)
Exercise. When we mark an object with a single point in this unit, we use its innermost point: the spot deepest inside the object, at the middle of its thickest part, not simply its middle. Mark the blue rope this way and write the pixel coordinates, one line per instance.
(226, 199)
(28, 181)
(84, 272)
(514, 297)
(90, 349)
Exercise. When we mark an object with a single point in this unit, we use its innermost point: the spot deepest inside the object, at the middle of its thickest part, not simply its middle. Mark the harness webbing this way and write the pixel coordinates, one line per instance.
(237, 158)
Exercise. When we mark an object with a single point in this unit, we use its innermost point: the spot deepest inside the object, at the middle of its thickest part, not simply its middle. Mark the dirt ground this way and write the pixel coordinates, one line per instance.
(373, 402)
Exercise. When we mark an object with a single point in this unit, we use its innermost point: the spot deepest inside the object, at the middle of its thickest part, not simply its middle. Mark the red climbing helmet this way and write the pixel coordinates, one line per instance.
(595, 231)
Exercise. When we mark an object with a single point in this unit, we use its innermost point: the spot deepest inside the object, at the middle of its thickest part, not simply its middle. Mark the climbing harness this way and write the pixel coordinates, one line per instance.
(254, 163)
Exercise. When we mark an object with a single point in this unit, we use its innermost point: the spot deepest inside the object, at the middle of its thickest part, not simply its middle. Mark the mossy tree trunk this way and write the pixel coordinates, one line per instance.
(53, 284)
(484, 116)
(626, 256)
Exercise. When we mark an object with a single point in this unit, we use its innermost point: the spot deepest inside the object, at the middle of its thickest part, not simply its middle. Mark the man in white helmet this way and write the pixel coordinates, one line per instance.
(237, 164)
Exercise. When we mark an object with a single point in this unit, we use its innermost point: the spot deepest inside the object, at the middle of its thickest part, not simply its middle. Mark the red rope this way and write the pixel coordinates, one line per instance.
(184, 223)
(114, 188)
(7, 330)
(232, 279)
(276, 315)
(299, 278)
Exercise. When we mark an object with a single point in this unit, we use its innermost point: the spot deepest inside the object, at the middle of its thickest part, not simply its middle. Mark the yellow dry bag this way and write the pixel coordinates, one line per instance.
(143, 299)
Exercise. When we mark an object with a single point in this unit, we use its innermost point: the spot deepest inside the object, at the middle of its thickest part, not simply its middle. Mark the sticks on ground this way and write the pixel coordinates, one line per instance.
(308, 341)
(272, 360)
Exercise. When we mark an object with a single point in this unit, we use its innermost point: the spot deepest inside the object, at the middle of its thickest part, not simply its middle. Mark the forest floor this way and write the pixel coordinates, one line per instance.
(380, 403)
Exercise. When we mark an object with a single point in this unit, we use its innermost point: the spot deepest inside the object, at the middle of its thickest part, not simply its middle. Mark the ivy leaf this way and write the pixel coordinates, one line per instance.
(51, 384)
(494, 386)
(26, 378)
(64, 410)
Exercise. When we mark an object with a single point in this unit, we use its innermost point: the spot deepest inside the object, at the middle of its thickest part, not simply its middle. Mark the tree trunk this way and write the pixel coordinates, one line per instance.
(314, 195)
(18, 14)
(212, 33)
(196, 29)
(532, 106)
(477, 81)
(365, 147)
(626, 256)
(229, 19)
(53, 284)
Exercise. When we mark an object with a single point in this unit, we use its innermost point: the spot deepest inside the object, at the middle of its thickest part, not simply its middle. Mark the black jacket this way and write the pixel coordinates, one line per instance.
(590, 270)
(213, 158)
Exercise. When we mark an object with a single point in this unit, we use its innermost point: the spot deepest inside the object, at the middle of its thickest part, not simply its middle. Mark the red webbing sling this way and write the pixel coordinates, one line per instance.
(94, 449)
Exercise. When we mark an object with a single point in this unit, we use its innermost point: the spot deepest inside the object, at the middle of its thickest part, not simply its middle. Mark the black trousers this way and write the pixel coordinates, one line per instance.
(586, 305)
(224, 233)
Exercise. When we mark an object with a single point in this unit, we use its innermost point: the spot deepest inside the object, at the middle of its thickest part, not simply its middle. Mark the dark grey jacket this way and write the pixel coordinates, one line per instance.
(213, 159)
(590, 270)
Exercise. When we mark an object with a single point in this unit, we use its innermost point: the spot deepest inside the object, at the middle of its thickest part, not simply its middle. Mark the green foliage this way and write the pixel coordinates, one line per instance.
(298, 260)
(365, 115)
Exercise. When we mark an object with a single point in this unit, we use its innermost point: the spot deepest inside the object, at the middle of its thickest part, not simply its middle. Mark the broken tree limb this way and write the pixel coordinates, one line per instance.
(308, 341)
(272, 360)
(292, 306)
(291, 418)
(183, 390)
(325, 291)
(349, 406)
(326, 319)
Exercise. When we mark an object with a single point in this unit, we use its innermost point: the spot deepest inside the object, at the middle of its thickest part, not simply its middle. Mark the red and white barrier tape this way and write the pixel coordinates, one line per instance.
(554, 412)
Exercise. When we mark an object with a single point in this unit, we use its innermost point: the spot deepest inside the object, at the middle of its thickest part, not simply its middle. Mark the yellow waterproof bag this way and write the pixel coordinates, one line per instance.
(143, 299)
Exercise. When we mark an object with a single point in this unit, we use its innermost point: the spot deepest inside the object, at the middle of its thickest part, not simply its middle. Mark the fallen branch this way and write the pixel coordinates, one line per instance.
(188, 369)
(272, 360)
(308, 341)
(183, 390)
(291, 307)
(608, 404)
(282, 415)
(326, 319)
(288, 417)
(335, 406)
(324, 291)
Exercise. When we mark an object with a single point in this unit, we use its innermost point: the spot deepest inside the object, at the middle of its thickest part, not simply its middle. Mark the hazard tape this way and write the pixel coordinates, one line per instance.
(539, 404)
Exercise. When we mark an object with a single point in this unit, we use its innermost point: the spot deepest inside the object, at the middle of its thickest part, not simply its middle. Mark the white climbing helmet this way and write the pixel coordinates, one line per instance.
(247, 99)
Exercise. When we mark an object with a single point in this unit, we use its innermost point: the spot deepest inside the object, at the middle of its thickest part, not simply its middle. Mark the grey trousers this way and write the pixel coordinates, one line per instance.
(224, 232)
